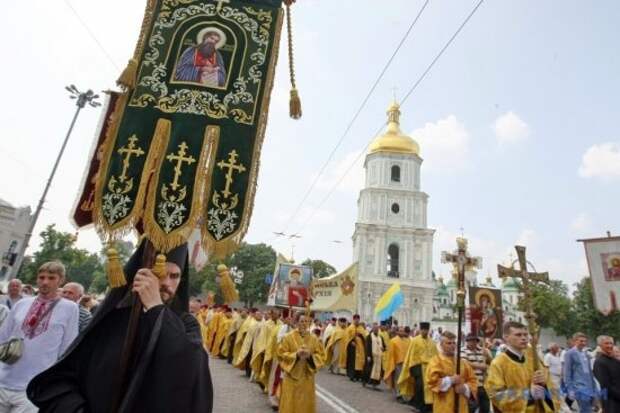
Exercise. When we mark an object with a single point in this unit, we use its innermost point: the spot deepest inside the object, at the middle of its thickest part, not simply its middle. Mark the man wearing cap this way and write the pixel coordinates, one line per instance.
(479, 358)
(167, 351)
(411, 381)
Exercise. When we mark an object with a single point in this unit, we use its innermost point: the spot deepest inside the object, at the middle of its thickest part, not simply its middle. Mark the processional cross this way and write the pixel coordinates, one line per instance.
(180, 158)
(461, 261)
(233, 167)
(527, 280)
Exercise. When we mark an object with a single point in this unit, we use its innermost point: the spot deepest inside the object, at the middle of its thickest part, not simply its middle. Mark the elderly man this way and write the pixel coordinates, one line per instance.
(578, 376)
(554, 363)
(14, 293)
(607, 372)
(73, 292)
(170, 371)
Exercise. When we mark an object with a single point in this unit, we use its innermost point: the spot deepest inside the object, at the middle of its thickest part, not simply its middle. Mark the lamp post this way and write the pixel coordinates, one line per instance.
(82, 99)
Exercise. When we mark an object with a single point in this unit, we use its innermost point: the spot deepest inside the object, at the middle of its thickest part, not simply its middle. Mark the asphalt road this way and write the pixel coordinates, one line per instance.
(335, 394)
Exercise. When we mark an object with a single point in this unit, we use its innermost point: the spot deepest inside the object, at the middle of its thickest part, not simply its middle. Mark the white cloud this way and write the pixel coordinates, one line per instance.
(601, 161)
(510, 128)
(444, 145)
(527, 238)
(581, 223)
(347, 173)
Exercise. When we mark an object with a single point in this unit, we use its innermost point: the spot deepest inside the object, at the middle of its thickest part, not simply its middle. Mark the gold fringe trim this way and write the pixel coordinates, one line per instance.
(222, 248)
(129, 76)
(202, 185)
(116, 275)
(117, 230)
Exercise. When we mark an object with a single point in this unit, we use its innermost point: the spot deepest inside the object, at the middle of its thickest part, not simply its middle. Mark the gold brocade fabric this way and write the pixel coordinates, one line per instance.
(248, 341)
(240, 339)
(439, 367)
(298, 391)
(220, 335)
(420, 351)
(358, 334)
(234, 327)
(335, 340)
(508, 382)
(396, 351)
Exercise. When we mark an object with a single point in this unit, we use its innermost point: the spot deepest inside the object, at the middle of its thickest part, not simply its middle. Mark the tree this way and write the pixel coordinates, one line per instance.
(553, 307)
(81, 265)
(320, 268)
(256, 261)
(588, 319)
(100, 281)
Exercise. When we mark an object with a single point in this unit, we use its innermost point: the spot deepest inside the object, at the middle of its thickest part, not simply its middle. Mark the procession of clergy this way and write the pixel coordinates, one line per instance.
(283, 354)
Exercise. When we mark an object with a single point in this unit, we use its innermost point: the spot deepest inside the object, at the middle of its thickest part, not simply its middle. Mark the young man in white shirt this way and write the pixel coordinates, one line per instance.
(47, 324)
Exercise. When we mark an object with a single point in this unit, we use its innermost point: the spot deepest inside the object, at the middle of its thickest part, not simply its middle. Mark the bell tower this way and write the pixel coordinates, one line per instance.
(392, 242)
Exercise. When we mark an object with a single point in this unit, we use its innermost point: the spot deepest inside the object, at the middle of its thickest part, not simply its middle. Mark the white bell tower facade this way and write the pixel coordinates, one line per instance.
(392, 242)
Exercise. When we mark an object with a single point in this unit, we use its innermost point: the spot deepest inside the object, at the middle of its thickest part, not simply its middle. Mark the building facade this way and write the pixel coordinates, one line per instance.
(392, 242)
(14, 223)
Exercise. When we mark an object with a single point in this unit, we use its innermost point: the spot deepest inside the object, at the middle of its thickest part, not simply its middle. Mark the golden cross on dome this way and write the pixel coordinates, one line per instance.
(233, 167)
(220, 3)
(130, 150)
(180, 158)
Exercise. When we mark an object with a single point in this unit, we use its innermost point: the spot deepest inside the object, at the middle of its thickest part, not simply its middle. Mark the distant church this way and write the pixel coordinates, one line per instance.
(392, 242)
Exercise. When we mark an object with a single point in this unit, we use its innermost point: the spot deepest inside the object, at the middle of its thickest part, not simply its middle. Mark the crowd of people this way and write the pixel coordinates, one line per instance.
(282, 353)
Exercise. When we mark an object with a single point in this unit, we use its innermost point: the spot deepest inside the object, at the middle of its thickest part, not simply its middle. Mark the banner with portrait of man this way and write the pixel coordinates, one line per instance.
(291, 286)
(485, 309)
(603, 257)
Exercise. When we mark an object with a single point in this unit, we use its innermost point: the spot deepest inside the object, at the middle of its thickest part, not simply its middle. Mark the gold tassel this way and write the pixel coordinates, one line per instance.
(116, 276)
(129, 76)
(295, 102)
(159, 268)
(229, 292)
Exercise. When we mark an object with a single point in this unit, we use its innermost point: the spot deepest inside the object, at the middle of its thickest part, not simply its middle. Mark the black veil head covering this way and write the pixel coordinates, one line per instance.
(180, 257)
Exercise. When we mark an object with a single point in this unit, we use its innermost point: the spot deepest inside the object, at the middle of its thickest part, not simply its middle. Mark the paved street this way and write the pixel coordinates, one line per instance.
(234, 393)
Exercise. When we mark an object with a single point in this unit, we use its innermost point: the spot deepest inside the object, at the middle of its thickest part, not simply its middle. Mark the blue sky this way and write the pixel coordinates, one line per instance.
(517, 122)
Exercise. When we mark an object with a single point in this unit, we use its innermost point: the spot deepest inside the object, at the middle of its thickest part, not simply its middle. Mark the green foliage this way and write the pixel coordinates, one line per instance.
(320, 268)
(81, 265)
(553, 307)
(588, 319)
(256, 261)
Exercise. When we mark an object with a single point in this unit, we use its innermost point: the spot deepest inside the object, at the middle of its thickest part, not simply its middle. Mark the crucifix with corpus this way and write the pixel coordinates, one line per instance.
(462, 262)
(527, 280)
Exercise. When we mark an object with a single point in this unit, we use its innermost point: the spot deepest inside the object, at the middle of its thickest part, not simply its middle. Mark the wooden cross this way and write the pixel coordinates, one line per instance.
(130, 150)
(233, 167)
(180, 158)
(527, 279)
(220, 3)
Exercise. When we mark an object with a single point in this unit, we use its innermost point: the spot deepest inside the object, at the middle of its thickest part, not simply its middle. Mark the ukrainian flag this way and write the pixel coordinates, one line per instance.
(389, 302)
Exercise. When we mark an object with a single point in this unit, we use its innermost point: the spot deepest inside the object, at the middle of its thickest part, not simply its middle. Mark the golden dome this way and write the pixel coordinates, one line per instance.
(394, 140)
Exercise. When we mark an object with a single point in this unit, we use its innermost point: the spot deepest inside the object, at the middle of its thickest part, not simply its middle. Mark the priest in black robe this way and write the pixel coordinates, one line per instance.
(168, 370)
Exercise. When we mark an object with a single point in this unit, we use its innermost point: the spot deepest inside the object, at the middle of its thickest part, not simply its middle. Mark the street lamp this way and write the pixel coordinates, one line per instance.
(82, 99)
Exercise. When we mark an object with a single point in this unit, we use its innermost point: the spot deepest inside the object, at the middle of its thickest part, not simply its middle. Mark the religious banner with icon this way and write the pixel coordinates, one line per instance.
(336, 292)
(291, 286)
(183, 144)
(485, 312)
(603, 256)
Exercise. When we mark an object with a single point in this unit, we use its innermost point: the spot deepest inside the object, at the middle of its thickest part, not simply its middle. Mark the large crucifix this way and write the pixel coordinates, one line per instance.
(130, 150)
(462, 262)
(527, 279)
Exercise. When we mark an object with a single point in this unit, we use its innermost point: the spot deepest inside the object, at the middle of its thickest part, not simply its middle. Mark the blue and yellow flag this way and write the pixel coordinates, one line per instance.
(389, 302)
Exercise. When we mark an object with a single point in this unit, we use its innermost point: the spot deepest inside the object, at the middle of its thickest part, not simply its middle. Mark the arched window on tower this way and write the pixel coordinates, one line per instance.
(393, 261)
(395, 173)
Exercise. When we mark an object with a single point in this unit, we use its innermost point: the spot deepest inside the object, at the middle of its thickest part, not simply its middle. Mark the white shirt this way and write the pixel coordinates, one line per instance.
(554, 363)
(328, 332)
(41, 351)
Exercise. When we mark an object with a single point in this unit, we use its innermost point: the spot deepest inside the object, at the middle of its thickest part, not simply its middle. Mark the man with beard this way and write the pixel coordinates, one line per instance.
(204, 63)
(355, 356)
(169, 370)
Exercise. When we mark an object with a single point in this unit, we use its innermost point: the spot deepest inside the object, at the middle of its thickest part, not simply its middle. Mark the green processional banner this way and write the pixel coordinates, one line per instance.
(184, 141)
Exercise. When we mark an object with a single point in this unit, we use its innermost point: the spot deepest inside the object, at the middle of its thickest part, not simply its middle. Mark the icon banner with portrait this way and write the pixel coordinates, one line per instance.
(603, 257)
(291, 286)
(485, 309)
(182, 146)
